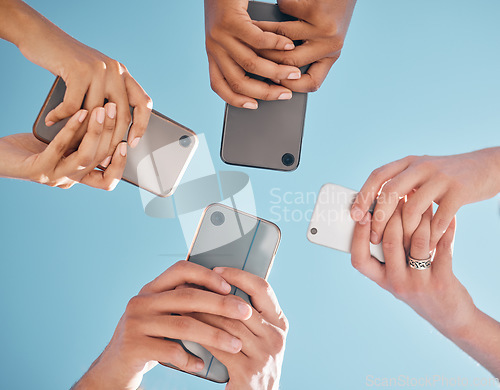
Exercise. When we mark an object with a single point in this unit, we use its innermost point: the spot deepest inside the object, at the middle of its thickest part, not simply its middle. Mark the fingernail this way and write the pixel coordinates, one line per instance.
(100, 115)
(106, 161)
(83, 115)
(294, 76)
(243, 308)
(356, 213)
(135, 142)
(219, 270)
(365, 219)
(289, 46)
(225, 286)
(123, 149)
(251, 106)
(236, 344)
(285, 96)
(111, 110)
(198, 366)
(50, 123)
(374, 237)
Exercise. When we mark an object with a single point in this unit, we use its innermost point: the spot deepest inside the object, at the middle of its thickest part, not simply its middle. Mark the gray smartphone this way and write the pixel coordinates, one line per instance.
(227, 237)
(158, 162)
(270, 136)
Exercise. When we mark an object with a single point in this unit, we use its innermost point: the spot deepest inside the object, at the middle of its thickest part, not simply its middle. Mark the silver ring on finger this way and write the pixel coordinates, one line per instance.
(420, 264)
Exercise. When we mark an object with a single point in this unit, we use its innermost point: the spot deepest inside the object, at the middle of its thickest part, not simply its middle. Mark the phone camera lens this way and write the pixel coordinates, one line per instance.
(314, 231)
(288, 159)
(217, 218)
(185, 141)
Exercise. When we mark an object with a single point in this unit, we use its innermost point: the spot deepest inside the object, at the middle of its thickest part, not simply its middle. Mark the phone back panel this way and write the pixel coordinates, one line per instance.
(159, 160)
(331, 224)
(270, 136)
(229, 238)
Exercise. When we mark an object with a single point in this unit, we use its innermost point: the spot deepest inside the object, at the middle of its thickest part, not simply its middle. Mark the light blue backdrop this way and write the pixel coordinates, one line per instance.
(414, 78)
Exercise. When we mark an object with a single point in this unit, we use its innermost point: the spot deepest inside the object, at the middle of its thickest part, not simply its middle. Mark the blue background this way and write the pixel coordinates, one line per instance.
(414, 78)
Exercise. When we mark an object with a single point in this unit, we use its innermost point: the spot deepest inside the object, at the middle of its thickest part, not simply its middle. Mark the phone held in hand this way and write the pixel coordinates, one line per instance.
(271, 136)
(158, 162)
(227, 237)
(331, 224)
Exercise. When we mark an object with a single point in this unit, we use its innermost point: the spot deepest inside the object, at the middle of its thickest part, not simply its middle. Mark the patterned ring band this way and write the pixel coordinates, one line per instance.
(420, 264)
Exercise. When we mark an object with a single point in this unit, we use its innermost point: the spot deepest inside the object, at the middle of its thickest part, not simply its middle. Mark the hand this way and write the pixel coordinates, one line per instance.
(24, 157)
(258, 364)
(231, 41)
(435, 293)
(450, 181)
(139, 339)
(88, 73)
(322, 25)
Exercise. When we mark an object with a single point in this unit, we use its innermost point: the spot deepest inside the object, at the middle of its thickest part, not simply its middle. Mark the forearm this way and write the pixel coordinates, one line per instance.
(492, 158)
(18, 20)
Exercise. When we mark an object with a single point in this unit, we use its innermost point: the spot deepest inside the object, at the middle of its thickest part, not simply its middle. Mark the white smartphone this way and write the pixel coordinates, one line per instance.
(331, 224)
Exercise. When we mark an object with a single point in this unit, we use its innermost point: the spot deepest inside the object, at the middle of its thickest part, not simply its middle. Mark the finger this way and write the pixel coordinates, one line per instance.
(187, 328)
(72, 102)
(220, 86)
(242, 84)
(188, 300)
(142, 104)
(361, 258)
(312, 80)
(374, 183)
(392, 245)
(447, 209)
(420, 240)
(118, 94)
(297, 30)
(401, 185)
(58, 147)
(75, 164)
(108, 180)
(444, 250)
(262, 295)
(184, 272)
(230, 360)
(109, 127)
(252, 35)
(166, 351)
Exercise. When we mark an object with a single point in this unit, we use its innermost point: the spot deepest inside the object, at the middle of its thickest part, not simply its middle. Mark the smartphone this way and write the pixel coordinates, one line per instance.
(227, 237)
(271, 136)
(331, 224)
(158, 162)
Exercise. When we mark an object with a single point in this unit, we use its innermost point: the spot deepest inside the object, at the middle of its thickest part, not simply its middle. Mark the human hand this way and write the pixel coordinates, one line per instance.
(434, 293)
(322, 26)
(231, 41)
(24, 157)
(139, 339)
(263, 335)
(449, 181)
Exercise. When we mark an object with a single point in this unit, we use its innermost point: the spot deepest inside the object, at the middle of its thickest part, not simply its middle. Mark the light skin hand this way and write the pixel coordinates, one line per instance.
(435, 293)
(322, 26)
(258, 364)
(231, 42)
(24, 157)
(449, 181)
(139, 339)
(87, 73)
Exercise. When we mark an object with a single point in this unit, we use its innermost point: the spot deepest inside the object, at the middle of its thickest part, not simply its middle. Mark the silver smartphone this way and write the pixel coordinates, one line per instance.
(331, 224)
(270, 136)
(158, 162)
(227, 237)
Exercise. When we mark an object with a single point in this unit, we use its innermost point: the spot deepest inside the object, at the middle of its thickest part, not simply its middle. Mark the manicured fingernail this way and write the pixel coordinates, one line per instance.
(285, 96)
(83, 115)
(111, 110)
(49, 123)
(219, 270)
(374, 237)
(236, 344)
(100, 115)
(294, 76)
(289, 46)
(225, 286)
(106, 161)
(198, 366)
(356, 213)
(251, 106)
(365, 219)
(123, 149)
(243, 308)
(135, 142)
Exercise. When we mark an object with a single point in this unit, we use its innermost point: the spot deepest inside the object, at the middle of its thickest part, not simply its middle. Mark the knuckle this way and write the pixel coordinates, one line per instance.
(178, 356)
(284, 322)
(377, 174)
(420, 243)
(277, 339)
(134, 304)
(186, 324)
(85, 159)
(389, 245)
(249, 64)
(235, 85)
(71, 107)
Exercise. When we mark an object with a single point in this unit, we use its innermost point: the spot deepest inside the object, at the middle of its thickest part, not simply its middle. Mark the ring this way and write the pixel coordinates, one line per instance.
(420, 264)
